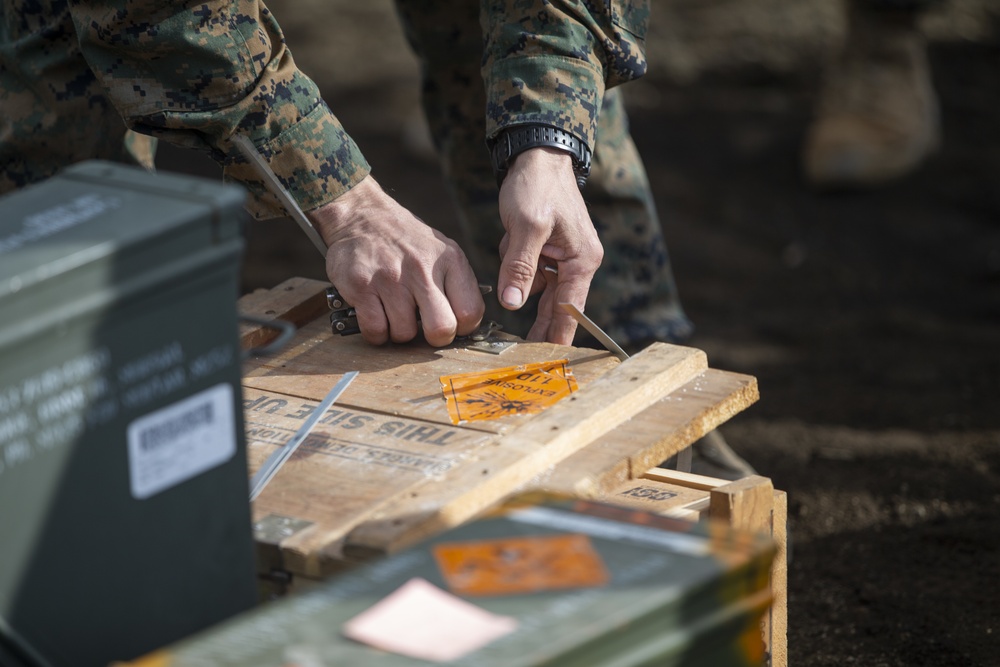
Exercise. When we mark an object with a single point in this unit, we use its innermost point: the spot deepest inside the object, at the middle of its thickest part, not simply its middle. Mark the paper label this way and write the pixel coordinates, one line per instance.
(520, 565)
(181, 441)
(516, 390)
(421, 621)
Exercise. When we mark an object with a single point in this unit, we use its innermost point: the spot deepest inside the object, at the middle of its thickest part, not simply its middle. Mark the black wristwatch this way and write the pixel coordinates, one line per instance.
(516, 139)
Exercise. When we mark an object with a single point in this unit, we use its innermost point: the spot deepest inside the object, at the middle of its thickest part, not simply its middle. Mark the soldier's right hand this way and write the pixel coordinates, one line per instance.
(548, 226)
(390, 265)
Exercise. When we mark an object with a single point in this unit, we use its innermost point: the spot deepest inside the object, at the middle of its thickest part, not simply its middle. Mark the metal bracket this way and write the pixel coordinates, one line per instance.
(343, 317)
(494, 346)
(285, 332)
(274, 528)
(485, 339)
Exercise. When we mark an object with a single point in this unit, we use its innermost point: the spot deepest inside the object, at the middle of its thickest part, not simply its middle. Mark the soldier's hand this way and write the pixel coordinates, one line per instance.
(389, 265)
(547, 225)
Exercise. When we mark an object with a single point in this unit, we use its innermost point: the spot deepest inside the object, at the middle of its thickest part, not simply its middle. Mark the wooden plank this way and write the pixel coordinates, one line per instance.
(657, 497)
(643, 442)
(777, 643)
(684, 479)
(297, 301)
(696, 510)
(747, 504)
(526, 452)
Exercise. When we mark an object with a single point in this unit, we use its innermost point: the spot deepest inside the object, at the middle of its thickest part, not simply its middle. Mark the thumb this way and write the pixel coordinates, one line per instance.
(517, 270)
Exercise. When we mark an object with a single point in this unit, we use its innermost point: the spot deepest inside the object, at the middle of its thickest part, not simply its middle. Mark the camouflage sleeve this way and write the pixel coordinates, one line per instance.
(195, 74)
(550, 61)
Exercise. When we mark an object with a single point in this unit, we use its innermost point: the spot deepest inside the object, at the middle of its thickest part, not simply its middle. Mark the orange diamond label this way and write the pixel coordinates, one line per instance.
(520, 565)
(516, 390)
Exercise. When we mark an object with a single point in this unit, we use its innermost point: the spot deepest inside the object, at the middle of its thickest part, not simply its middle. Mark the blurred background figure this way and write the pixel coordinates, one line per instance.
(877, 115)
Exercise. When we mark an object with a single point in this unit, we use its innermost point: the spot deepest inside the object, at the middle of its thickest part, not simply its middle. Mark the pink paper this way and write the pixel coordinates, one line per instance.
(422, 621)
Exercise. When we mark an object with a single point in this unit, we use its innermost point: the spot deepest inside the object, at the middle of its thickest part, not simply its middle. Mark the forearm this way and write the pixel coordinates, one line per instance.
(550, 62)
(197, 75)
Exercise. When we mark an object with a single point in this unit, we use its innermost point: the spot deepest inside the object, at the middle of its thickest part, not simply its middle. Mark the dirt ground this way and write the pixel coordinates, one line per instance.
(872, 321)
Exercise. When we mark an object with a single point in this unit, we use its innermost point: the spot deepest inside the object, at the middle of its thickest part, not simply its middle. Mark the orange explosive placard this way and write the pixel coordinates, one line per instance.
(515, 390)
(508, 566)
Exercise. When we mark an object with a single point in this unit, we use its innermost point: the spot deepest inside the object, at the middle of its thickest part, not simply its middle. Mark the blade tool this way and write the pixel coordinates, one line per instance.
(277, 458)
(595, 330)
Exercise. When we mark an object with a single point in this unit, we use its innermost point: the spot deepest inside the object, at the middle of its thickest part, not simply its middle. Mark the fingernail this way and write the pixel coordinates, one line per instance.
(512, 297)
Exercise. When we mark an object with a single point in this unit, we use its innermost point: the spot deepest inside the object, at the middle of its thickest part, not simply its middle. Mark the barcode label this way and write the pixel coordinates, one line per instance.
(181, 441)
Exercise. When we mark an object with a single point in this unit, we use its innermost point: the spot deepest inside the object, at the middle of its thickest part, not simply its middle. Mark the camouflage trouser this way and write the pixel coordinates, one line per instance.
(633, 296)
(54, 110)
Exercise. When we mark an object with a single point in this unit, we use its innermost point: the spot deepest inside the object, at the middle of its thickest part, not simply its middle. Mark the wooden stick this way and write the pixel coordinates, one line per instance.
(688, 479)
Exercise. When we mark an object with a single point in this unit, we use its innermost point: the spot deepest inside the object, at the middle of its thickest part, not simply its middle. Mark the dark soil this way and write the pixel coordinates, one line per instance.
(871, 320)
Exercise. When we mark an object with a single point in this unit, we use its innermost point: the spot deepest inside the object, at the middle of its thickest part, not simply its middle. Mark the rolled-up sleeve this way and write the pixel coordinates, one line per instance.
(550, 61)
(196, 74)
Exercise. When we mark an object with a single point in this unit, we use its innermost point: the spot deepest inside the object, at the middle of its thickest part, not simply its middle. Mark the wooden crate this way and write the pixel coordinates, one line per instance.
(387, 467)
(751, 504)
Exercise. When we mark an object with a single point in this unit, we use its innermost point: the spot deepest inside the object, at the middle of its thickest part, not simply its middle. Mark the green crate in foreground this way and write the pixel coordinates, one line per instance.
(588, 584)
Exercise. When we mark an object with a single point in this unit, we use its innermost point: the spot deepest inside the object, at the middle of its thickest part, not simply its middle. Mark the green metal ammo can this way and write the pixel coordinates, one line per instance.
(585, 584)
(124, 519)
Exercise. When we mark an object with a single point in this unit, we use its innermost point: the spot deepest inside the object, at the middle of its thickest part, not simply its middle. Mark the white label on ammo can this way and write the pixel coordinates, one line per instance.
(181, 441)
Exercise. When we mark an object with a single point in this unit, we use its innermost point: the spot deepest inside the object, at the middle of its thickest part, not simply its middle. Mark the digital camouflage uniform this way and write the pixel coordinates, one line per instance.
(195, 75)
(565, 80)
(71, 71)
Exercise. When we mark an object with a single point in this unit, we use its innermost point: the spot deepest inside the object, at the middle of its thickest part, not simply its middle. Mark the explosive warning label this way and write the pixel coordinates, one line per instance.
(515, 390)
(512, 565)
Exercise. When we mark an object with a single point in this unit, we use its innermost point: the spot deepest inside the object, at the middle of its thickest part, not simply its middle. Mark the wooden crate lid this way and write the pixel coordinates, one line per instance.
(387, 467)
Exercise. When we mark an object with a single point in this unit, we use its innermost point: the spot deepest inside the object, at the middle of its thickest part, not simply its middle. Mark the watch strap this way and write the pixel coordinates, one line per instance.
(512, 141)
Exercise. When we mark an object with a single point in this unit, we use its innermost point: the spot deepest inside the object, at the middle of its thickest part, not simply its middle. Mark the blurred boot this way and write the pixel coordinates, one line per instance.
(712, 456)
(877, 117)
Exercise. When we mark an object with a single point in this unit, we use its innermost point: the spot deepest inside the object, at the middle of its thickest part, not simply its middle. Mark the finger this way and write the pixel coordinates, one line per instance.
(436, 317)
(546, 276)
(401, 311)
(572, 287)
(539, 331)
(465, 299)
(517, 269)
(372, 320)
(562, 326)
